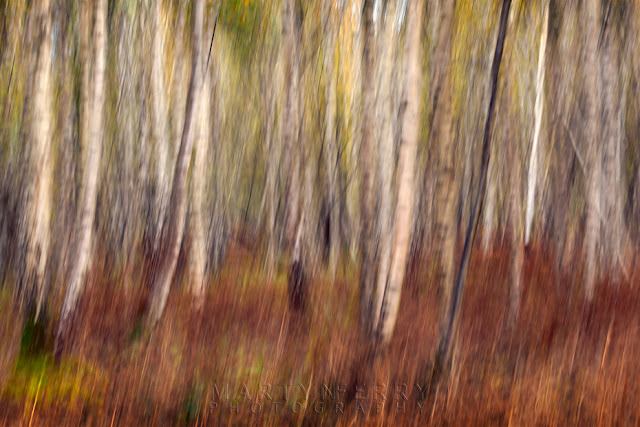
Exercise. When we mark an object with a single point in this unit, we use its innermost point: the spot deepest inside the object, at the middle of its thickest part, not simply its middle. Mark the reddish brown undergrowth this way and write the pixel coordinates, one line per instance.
(565, 361)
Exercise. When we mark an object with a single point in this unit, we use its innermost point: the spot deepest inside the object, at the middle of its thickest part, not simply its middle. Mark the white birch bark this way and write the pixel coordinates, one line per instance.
(272, 157)
(365, 165)
(402, 222)
(291, 125)
(594, 164)
(446, 232)
(88, 196)
(39, 210)
(202, 135)
(160, 129)
(539, 106)
(489, 211)
(385, 165)
(611, 185)
(178, 201)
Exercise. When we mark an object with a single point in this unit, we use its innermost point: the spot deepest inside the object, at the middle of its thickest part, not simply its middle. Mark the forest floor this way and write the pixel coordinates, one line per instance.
(246, 359)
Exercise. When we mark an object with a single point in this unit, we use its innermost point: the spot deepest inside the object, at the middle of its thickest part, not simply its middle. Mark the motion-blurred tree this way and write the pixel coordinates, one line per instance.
(84, 224)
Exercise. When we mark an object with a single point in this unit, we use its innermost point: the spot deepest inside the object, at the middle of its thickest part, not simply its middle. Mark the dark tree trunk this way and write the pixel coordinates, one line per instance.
(443, 355)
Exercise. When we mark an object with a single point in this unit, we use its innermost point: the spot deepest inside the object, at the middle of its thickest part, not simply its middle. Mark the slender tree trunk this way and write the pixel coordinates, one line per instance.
(445, 218)
(593, 143)
(178, 201)
(386, 164)
(558, 193)
(272, 157)
(39, 210)
(179, 86)
(292, 125)
(515, 169)
(489, 211)
(330, 144)
(390, 298)
(88, 196)
(449, 328)
(304, 254)
(199, 178)
(160, 129)
(469, 133)
(62, 229)
(309, 210)
(517, 248)
(533, 160)
(218, 225)
(367, 244)
(85, 94)
(611, 184)
(301, 219)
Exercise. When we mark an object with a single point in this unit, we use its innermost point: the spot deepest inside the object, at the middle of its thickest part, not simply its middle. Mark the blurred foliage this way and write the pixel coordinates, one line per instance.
(37, 378)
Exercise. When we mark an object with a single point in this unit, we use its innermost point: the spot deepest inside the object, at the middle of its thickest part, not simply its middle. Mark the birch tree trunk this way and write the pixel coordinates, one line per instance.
(489, 211)
(271, 152)
(202, 135)
(386, 164)
(178, 201)
(611, 188)
(304, 254)
(517, 246)
(367, 244)
(179, 87)
(218, 228)
(533, 160)
(561, 190)
(292, 125)
(515, 168)
(594, 163)
(331, 145)
(489, 208)
(65, 175)
(160, 128)
(88, 196)
(85, 93)
(301, 219)
(390, 298)
(39, 209)
(445, 220)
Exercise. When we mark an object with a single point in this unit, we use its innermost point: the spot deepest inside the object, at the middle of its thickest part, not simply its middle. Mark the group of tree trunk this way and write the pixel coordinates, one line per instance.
(385, 253)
